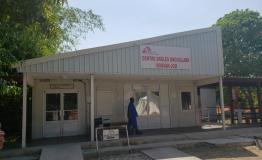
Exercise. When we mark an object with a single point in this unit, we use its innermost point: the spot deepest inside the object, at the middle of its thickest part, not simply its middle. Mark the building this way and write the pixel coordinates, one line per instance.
(162, 73)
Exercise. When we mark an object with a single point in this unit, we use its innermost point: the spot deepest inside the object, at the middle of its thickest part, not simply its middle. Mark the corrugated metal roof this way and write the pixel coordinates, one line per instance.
(123, 59)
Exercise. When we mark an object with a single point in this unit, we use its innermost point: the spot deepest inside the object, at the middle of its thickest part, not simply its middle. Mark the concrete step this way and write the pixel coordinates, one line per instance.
(234, 140)
(62, 152)
(227, 141)
(168, 153)
(144, 139)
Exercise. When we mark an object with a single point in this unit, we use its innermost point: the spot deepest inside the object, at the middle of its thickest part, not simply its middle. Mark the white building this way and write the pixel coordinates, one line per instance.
(161, 73)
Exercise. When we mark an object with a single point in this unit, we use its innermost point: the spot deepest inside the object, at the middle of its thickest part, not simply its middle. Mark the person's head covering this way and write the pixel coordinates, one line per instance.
(132, 99)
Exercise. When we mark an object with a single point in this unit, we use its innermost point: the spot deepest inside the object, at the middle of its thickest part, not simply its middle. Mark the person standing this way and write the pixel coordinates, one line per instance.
(132, 114)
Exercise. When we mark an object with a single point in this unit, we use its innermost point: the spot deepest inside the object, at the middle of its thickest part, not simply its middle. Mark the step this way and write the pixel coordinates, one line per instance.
(62, 152)
(168, 153)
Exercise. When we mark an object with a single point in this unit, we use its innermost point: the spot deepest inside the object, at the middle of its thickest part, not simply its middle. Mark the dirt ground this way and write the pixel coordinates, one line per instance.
(209, 152)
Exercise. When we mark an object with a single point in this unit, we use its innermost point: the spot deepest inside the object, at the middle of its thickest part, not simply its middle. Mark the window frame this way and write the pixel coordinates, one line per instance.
(61, 92)
(191, 98)
(148, 89)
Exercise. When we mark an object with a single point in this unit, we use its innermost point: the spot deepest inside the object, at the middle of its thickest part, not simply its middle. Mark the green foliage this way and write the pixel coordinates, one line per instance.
(9, 88)
(242, 42)
(35, 28)
(77, 23)
(30, 29)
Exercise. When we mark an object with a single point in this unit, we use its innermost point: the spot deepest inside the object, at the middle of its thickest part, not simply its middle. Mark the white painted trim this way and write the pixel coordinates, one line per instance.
(30, 80)
(92, 107)
(22, 64)
(61, 92)
(207, 81)
(24, 110)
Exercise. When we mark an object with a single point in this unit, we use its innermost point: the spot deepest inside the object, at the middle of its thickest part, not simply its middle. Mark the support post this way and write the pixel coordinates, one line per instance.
(259, 100)
(232, 104)
(222, 101)
(92, 92)
(24, 110)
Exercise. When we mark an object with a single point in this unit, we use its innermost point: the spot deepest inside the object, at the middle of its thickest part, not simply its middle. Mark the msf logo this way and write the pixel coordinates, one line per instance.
(148, 50)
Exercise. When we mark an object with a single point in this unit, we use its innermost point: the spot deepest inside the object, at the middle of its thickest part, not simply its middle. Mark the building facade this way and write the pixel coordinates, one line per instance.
(162, 74)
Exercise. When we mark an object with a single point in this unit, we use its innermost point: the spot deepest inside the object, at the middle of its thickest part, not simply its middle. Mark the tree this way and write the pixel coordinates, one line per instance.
(242, 42)
(242, 46)
(34, 28)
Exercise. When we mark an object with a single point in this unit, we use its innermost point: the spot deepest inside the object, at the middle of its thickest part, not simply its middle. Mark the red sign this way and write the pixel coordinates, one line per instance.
(165, 57)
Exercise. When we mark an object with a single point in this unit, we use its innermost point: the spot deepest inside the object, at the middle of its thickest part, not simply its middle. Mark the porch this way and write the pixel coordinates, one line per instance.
(231, 136)
(243, 103)
(210, 130)
(89, 92)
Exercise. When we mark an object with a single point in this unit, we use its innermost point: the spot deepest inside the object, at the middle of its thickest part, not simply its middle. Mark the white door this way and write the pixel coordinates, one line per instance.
(61, 116)
(147, 106)
(105, 103)
(208, 103)
(70, 120)
(141, 100)
(52, 115)
(154, 117)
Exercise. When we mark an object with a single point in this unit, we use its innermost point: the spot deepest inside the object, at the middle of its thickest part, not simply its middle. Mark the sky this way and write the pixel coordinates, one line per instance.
(127, 20)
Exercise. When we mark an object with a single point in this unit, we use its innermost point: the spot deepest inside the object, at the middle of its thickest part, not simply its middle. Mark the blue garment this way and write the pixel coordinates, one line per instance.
(132, 123)
(132, 114)
(131, 111)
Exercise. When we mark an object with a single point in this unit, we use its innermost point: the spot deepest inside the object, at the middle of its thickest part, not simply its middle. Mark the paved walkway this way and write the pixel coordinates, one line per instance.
(62, 152)
(168, 153)
(69, 150)
(233, 140)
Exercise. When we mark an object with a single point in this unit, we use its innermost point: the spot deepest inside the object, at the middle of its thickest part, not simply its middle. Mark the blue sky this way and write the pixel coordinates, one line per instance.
(136, 19)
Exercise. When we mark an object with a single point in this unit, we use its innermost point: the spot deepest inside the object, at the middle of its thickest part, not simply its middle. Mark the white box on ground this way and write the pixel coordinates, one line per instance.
(110, 134)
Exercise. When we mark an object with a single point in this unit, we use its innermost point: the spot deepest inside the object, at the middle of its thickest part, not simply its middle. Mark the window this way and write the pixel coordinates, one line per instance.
(186, 101)
(141, 100)
(53, 107)
(56, 110)
(153, 103)
(147, 103)
(70, 106)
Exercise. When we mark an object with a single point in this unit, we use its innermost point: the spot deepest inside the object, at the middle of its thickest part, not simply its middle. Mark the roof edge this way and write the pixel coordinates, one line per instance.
(111, 47)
